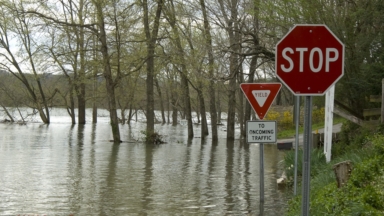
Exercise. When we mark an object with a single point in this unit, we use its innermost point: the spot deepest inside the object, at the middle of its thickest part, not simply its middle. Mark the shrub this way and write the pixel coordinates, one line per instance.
(378, 144)
(363, 194)
(365, 172)
(351, 136)
(287, 121)
(317, 162)
(318, 115)
(152, 138)
(273, 115)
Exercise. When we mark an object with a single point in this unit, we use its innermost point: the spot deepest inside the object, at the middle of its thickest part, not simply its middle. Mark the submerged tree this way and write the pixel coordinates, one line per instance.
(151, 38)
(21, 54)
(211, 88)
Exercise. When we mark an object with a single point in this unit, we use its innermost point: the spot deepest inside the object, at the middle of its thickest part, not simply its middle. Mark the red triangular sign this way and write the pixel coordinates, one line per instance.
(260, 96)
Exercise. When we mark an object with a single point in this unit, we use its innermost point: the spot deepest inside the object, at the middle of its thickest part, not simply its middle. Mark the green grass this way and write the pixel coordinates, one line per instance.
(363, 193)
(362, 198)
(289, 133)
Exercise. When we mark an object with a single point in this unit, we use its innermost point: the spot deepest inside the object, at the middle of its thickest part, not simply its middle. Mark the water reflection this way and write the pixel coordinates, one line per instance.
(74, 169)
(147, 199)
(109, 196)
(229, 181)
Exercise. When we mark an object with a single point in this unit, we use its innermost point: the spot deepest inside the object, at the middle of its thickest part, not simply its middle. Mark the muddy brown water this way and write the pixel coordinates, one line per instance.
(62, 169)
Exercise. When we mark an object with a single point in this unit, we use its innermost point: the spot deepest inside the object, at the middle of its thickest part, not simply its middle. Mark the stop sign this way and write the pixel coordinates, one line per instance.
(309, 59)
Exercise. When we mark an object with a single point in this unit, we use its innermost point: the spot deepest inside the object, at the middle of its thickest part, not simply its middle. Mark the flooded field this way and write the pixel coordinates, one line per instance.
(62, 169)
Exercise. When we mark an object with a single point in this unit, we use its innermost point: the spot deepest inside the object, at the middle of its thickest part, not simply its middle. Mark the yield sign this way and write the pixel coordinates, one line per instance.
(260, 96)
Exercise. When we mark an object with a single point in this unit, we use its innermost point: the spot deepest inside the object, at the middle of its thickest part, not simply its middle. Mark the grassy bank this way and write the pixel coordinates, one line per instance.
(363, 194)
(291, 131)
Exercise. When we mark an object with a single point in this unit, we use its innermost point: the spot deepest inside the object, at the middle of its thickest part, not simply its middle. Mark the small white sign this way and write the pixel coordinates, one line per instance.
(261, 131)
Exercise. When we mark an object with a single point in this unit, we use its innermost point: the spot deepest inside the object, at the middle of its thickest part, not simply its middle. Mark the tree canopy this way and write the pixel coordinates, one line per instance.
(179, 54)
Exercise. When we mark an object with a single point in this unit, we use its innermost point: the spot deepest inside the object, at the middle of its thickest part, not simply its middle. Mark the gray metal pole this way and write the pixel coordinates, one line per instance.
(297, 122)
(261, 173)
(307, 155)
(261, 208)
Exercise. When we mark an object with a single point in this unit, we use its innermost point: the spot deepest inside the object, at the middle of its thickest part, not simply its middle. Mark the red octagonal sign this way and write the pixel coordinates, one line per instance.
(309, 59)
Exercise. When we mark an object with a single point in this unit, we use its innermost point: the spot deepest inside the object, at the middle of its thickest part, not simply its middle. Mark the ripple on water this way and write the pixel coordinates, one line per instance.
(64, 169)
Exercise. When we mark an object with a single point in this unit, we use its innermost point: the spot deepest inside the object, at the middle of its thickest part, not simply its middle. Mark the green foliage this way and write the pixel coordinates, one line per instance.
(273, 115)
(378, 143)
(363, 194)
(318, 115)
(152, 138)
(285, 118)
(317, 162)
(365, 172)
(352, 136)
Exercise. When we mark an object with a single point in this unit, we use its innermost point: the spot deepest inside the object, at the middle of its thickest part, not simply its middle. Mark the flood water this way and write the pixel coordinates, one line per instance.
(62, 169)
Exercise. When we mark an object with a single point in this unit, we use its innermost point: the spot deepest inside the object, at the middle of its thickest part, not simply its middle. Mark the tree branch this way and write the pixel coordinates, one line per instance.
(88, 26)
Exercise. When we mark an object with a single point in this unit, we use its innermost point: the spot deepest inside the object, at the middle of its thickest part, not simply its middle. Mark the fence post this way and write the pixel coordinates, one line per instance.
(342, 172)
(315, 140)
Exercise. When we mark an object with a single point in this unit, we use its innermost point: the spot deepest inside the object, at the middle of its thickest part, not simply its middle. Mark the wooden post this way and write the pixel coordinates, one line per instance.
(342, 171)
(315, 140)
(382, 101)
(335, 137)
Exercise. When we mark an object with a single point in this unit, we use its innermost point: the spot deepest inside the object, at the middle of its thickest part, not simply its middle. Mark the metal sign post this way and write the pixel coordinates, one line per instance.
(297, 121)
(307, 155)
(261, 173)
(261, 132)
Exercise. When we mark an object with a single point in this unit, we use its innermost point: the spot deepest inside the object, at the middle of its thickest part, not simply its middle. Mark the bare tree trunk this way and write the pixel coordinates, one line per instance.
(151, 39)
(252, 69)
(72, 106)
(130, 114)
(8, 114)
(168, 107)
(231, 101)
(81, 75)
(211, 87)
(122, 112)
(110, 85)
(94, 113)
(184, 72)
(81, 103)
(21, 76)
(161, 101)
(233, 33)
(248, 109)
(95, 81)
(218, 105)
(240, 109)
(204, 125)
(94, 105)
(174, 110)
(253, 64)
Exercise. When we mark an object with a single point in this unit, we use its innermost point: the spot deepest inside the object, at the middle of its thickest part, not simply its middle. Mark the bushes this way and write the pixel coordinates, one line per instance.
(152, 138)
(317, 162)
(273, 115)
(363, 194)
(365, 172)
(285, 118)
(355, 137)
(318, 115)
